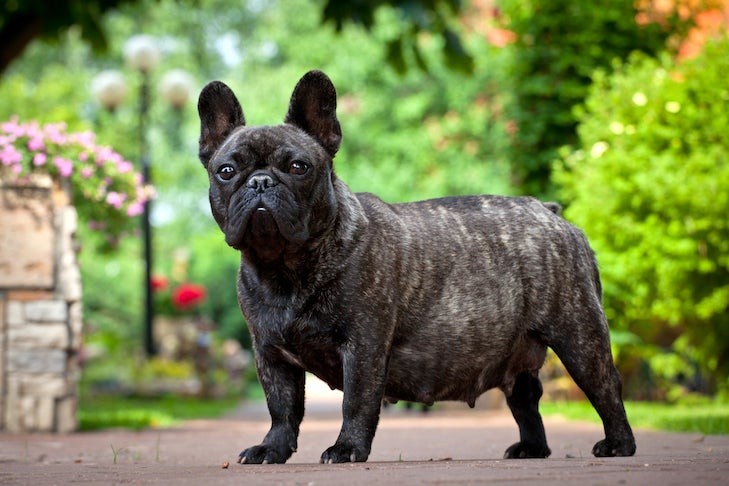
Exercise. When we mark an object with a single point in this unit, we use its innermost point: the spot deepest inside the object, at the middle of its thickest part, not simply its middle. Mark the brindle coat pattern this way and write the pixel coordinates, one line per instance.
(425, 301)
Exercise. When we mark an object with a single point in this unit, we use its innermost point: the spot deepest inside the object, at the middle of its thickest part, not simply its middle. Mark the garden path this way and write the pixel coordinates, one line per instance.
(451, 444)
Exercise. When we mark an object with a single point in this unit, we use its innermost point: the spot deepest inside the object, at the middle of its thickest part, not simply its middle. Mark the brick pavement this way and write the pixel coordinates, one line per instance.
(451, 445)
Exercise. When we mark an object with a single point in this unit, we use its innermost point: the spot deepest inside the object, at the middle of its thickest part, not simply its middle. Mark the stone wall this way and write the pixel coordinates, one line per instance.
(40, 309)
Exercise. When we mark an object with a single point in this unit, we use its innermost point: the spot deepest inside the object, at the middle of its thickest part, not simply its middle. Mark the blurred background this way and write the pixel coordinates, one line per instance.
(617, 109)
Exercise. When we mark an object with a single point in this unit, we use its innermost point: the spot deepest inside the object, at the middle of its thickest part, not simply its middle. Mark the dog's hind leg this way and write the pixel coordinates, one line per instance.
(586, 355)
(524, 404)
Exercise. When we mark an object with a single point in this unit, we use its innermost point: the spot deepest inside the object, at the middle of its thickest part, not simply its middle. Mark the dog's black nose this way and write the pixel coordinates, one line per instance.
(261, 182)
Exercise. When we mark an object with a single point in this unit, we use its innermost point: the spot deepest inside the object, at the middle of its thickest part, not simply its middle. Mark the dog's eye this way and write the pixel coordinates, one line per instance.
(297, 167)
(226, 172)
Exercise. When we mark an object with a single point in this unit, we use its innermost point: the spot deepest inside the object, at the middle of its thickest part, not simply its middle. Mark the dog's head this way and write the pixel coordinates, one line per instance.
(271, 187)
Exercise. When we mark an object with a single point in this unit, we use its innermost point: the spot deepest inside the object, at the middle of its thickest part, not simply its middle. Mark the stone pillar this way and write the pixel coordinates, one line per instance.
(40, 308)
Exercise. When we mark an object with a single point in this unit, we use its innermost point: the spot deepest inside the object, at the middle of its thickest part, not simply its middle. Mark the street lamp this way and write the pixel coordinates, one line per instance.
(176, 87)
(109, 88)
(142, 54)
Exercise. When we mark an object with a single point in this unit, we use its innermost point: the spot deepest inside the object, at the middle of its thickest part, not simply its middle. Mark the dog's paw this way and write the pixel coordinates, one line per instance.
(527, 450)
(262, 454)
(612, 448)
(344, 453)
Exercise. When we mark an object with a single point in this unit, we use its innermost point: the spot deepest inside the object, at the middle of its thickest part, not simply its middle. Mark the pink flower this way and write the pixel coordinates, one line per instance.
(124, 167)
(11, 126)
(39, 159)
(115, 199)
(55, 133)
(65, 166)
(101, 175)
(85, 139)
(9, 155)
(35, 144)
(135, 209)
(102, 155)
(33, 130)
(115, 158)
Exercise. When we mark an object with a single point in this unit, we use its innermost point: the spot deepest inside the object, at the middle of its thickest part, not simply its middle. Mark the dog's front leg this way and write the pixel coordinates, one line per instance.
(283, 384)
(365, 374)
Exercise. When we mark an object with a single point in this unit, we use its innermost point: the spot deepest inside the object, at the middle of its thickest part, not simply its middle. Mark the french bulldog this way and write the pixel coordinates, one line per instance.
(425, 301)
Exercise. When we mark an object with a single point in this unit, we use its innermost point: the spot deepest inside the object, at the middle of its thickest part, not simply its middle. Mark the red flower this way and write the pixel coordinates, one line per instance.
(188, 296)
(159, 283)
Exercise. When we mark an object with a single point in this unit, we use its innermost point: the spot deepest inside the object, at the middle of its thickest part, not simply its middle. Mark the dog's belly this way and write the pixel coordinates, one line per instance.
(416, 384)
(442, 373)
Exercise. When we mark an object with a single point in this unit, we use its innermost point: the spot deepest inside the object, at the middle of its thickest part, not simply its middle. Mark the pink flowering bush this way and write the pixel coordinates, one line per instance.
(106, 190)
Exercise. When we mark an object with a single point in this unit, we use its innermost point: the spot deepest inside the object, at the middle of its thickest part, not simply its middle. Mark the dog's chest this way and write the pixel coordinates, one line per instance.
(318, 354)
(306, 339)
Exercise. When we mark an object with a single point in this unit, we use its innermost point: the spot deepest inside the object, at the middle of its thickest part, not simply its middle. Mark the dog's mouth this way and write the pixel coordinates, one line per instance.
(259, 232)
(264, 223)
(250, 220)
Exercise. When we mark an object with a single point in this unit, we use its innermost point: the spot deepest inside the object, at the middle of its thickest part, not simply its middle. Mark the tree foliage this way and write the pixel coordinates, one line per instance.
(23, 21)
(435, 17)
(559, 44)
(650, 186)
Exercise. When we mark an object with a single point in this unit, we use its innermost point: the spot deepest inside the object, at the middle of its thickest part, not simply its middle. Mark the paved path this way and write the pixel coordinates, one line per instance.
(451, 446)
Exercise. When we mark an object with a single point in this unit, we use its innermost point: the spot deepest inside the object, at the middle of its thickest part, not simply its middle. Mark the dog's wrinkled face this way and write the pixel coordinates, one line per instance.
(271, 188)
(267, 189)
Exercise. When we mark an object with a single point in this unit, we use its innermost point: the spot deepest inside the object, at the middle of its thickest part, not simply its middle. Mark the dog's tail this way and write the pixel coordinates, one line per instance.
(555, 207)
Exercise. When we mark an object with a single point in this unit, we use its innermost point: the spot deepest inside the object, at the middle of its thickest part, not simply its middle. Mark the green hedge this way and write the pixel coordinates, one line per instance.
(650, 186)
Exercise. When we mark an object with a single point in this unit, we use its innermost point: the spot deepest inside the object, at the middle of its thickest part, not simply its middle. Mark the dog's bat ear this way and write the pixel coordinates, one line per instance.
(313, 108)
(220, 113)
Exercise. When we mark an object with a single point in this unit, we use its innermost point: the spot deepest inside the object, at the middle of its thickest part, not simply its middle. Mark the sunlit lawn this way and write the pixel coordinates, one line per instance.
(138, 413)
(101, 412)
(704, 418)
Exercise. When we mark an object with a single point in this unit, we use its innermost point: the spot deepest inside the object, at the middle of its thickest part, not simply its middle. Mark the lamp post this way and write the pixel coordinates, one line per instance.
(142, 55)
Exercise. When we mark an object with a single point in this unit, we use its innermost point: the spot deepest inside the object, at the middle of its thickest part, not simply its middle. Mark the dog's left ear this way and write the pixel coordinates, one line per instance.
(313, 108)
(220, 113)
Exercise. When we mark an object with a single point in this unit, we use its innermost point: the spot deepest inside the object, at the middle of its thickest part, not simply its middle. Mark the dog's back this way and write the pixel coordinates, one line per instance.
(487, 276)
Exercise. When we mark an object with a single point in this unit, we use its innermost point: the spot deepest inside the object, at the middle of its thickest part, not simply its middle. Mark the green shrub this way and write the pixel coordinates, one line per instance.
(650, 186)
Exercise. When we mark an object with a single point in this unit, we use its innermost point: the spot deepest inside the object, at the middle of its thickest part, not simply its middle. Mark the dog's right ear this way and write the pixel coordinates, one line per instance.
(220, 113)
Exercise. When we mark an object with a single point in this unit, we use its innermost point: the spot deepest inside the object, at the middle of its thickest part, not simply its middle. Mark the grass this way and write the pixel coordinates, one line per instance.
(109, 411)
(710, 418)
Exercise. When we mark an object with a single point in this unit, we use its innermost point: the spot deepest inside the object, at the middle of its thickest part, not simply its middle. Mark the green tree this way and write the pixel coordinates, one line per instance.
(649, 183)
(435, 17)
(23, 21)
(559, 45)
